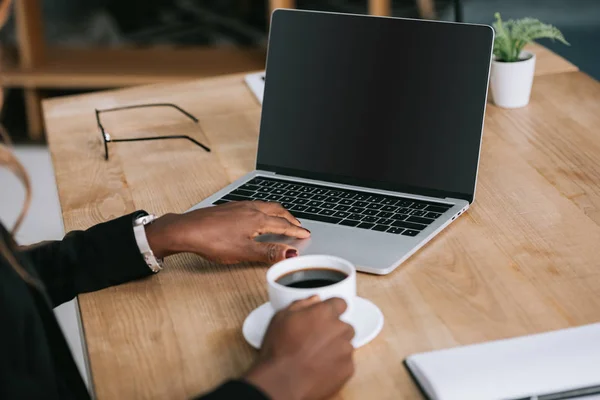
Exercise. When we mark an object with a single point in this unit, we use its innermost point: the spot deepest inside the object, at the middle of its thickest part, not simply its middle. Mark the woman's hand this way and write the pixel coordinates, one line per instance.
(226, 233)
(307, 352)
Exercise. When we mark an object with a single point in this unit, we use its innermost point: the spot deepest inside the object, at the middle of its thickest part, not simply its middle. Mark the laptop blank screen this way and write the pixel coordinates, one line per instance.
(379, 102)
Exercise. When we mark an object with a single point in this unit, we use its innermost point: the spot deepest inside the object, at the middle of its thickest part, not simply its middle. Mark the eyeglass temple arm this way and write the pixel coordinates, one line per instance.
(163, 137)
(149, 105)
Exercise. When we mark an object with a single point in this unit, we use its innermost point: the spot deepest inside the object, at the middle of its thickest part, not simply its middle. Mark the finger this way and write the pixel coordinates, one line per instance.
(348, 332)
(270, 252)
(277, 210)
(301, 304)
(337, 306)
(282, 226)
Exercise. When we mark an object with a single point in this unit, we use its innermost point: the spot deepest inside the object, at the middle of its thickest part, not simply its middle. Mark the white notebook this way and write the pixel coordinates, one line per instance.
(256, 83)
(544, 366)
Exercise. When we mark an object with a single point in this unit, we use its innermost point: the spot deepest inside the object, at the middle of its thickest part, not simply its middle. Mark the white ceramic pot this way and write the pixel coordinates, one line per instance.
(511, 81)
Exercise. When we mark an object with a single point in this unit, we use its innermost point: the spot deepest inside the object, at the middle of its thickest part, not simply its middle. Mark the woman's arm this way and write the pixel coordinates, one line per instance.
(104, 255)
(108, 254)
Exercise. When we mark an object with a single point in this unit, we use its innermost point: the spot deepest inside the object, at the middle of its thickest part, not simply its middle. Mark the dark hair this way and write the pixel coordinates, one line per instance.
(7, 243)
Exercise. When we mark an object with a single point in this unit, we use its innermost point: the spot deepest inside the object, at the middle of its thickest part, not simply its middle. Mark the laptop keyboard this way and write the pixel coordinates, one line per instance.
(393, 215)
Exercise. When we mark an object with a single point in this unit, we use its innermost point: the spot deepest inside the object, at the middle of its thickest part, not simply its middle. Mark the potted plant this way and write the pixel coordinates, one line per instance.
(512, 67)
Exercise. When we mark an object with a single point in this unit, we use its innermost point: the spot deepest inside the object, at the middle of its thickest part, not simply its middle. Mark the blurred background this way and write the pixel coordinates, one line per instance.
(96, 44)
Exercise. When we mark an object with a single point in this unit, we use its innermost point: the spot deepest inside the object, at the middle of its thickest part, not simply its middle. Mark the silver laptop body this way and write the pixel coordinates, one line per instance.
(371, 250)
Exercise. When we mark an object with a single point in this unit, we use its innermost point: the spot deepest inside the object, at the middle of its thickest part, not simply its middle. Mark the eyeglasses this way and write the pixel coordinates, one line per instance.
(106, 136)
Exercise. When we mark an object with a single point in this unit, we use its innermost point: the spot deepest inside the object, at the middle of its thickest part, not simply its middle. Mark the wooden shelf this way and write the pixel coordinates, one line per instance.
(117, 67)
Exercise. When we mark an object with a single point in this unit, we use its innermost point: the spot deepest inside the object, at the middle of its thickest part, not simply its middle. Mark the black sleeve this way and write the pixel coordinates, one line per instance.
(84, 261)
(234, 390)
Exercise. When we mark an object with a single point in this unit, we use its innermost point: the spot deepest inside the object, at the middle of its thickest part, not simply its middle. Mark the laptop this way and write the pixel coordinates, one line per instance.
(370, 131)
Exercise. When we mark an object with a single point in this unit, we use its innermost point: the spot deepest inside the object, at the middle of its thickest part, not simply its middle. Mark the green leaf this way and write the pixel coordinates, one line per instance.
(513, 35)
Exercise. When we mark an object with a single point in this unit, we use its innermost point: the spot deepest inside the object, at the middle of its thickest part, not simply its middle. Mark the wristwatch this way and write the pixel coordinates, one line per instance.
(139, 230)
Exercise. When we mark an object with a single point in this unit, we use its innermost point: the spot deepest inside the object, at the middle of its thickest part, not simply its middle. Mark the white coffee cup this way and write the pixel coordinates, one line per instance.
(282, 296)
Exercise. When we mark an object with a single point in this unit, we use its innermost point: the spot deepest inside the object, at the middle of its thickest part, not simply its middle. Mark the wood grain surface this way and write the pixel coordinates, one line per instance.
(523, 260)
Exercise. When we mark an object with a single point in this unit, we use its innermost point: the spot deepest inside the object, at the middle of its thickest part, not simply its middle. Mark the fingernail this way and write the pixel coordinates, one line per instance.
(307, 230)
(291, 253)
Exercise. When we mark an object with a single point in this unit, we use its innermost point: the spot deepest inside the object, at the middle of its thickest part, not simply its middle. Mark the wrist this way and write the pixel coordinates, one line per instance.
(273, 380)
(161, 241)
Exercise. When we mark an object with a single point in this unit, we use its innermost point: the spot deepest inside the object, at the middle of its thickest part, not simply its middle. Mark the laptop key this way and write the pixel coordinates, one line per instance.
(346, 202)
(370, 219)
(278, 191)
(333, 199)
(299, 207)
(264, 189)
(342, 207)
(303, 195)
(349, 222)
(319, 197)
(300, 201)
(419, 220)
(274, 197)
(374, 206)
(294, 187)
(264, 182)
(314, 203)
(409, 225)
(357, 210)
(316, 217)
(389, 208)
(306, 189)
(313, 210)
(334, 192)
(281, 185)
(259, 195)
(328, 205)
(418, 213)
(287, 199)
(287, 206)
(375, 199)
(249, 186)
(404, 211)
(235, 197)
(384, 221)
(327, 212)
(370, 212)
(347, 195)
(380, 228)
(241, 192)
(365, 225)
(361, 196)
(320, 191)
(432, 215)
(437, 209)
(385, 214)
(356, 217)
(388, 201)
(418, 206)
(395, 230)
(404, 203)
(341, 214)
(360, 204)
(292, 193)
(409, 232)
(399, 217)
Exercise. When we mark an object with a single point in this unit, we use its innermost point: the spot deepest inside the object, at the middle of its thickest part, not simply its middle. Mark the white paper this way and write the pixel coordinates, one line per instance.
(513, 368)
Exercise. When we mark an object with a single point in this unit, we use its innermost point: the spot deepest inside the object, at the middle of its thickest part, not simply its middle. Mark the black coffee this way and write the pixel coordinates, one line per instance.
(311, 278)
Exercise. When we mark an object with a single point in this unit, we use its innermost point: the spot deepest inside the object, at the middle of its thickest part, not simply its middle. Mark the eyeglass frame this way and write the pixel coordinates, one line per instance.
(106, 138)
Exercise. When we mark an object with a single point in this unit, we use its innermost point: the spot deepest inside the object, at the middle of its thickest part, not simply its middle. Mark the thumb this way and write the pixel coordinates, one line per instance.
(271, 252)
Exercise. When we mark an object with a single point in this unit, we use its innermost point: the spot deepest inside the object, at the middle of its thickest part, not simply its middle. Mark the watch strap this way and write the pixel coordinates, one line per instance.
(139, 230)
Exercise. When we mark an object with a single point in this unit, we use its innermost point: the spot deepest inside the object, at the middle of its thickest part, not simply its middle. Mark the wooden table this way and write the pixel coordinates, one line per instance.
(523, 260)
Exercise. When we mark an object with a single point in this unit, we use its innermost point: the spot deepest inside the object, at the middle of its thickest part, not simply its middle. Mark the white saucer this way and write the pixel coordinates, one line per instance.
(366, 319)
